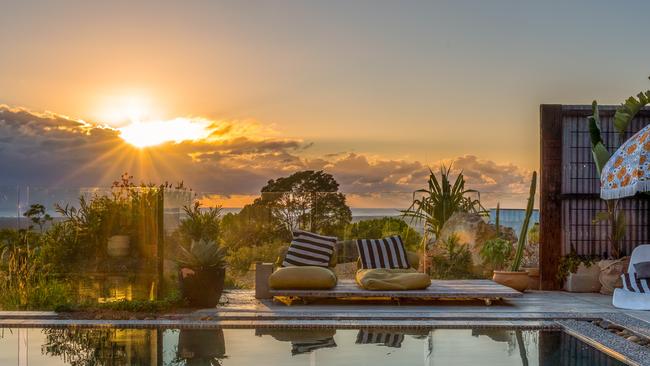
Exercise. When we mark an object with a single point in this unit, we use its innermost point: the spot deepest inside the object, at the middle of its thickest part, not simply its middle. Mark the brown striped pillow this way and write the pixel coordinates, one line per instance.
(309, 249)
(633, 283)
(387, 253)
(373, 337)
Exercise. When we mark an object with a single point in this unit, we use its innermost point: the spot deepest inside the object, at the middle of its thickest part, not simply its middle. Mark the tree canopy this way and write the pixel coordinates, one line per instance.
(308, 200)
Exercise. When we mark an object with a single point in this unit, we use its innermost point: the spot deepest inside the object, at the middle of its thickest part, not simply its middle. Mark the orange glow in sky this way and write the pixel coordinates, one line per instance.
(150, 133)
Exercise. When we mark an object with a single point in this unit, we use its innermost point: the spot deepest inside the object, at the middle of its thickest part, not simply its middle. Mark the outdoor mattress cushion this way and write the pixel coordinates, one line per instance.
(309, 249)
(392, 279)
(633, 283)
(302, 278)
(388, 253)
(296, 335)
(642, 270)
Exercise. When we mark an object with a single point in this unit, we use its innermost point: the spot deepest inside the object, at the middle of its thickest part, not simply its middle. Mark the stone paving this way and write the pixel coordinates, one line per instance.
(540, 304)
(537, 309)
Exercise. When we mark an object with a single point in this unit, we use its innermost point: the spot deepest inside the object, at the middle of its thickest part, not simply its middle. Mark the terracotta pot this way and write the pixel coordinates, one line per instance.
(118, 246)
(533, 277)
(514, 280)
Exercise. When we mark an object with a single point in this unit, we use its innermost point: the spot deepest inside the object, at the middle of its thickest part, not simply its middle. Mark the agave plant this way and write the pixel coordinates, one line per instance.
(202, 254)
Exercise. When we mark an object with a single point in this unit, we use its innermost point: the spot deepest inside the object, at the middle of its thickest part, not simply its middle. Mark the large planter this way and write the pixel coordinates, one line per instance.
(201, 346)
(610, 273)
(118, 246)
(585, 279)
(533, 277)
(514, 280)
(202, 288)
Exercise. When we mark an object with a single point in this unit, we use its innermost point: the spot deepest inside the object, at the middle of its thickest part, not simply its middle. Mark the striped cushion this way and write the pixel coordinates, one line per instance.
(309, 249)
(634, 284)
(387, 253)
(387, 339)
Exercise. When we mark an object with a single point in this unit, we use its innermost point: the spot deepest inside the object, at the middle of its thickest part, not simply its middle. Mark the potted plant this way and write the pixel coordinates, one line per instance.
(202, 268)
(118, 223)
(616, 263)
(516, 278)
(578, 273)
(531, 257)
(201, 346)
(496, 253)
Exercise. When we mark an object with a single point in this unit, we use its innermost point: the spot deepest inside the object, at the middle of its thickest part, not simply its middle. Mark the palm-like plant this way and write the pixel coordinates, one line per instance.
(440, 200)
(624, 115)
(434, 205)
(201, 223)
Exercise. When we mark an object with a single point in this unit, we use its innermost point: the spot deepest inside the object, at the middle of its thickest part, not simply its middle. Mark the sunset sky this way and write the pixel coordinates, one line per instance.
(234, 93)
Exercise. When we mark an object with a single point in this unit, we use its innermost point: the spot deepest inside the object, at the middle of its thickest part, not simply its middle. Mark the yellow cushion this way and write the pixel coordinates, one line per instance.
(306, 277)
(414, 259)
(392, 279)
(297, 335)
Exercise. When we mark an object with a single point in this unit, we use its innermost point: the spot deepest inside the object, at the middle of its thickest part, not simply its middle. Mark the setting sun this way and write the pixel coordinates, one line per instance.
(150, 133)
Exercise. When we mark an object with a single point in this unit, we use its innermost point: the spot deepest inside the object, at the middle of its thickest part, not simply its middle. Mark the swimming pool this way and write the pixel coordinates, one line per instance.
(284, 346)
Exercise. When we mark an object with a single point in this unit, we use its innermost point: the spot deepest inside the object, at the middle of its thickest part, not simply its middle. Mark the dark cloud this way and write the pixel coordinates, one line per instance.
(46, 149)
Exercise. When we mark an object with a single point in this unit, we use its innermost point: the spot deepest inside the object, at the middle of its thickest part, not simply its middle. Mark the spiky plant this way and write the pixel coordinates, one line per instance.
(201, 223)
(519, 254)
(496, 221)
(434, 205)
(202, 254)
(440, 200)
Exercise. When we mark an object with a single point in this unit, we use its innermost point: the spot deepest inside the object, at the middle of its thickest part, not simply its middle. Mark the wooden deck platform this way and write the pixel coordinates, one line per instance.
(439, 289)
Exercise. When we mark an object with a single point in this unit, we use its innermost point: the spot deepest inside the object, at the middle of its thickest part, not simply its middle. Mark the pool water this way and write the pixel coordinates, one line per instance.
(311, 347)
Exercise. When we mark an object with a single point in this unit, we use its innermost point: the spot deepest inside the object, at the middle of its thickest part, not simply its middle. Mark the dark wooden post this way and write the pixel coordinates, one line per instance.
(550, 207)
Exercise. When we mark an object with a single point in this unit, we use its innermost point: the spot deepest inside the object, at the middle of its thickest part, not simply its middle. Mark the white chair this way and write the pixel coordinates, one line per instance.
(634, 300)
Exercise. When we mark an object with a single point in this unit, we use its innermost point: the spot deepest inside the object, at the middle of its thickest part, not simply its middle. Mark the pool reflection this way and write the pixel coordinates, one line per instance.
(277, 346)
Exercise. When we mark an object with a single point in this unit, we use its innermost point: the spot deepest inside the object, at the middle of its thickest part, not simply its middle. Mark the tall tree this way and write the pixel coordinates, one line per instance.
(308, 200)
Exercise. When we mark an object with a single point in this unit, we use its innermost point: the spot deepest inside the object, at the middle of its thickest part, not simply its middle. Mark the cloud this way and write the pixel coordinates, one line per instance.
(236, 160)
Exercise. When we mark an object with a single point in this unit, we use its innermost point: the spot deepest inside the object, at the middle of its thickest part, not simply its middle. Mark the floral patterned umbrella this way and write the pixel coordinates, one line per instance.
(628, 170)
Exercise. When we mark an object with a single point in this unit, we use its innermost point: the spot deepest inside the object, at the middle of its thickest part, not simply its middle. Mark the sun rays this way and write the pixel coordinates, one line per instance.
(143, 134)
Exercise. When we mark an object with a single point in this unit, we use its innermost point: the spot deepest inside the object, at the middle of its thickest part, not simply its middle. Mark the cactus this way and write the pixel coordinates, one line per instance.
(521, 243)
(496, 221)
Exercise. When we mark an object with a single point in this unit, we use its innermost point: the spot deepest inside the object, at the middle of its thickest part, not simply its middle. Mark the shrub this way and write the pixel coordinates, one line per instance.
(241, 259)
(201, 224)
(25, 283)
(386, 226)
(452, 261)
(496, 253)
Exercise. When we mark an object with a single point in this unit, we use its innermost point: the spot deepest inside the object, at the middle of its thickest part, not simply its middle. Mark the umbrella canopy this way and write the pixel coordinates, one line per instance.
(628, 170)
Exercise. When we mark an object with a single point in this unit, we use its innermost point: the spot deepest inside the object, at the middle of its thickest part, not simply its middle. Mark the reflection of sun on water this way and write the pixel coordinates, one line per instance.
(149, 133)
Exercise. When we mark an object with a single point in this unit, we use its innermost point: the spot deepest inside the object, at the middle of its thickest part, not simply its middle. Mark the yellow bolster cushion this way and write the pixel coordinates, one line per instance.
(304, 277)
(297, 335)
(392, 279)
